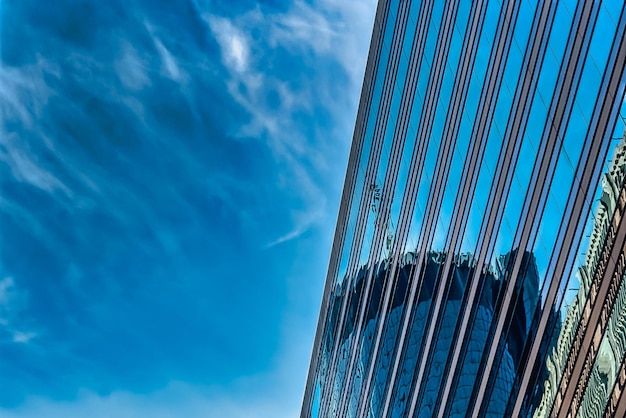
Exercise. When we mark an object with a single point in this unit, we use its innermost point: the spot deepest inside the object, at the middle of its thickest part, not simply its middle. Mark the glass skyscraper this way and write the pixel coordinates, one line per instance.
(582, 378)
(478, 257)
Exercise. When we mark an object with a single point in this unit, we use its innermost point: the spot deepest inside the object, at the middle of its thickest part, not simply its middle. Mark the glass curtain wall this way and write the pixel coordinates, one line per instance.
(484, 134)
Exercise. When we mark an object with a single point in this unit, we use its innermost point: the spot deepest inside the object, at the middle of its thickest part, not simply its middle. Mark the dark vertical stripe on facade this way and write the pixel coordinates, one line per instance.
(620, 408)
(372, 167)
(424, 19)
(442, 173)
(616, 405)
(520, 110)
(570, 402)
(475, 19)
(558, 113)
(459, 93)
(569, 232)
(442, 48)
(605, 114)
(479, 134)
(399, 138)
(347, 195)
(419, 152)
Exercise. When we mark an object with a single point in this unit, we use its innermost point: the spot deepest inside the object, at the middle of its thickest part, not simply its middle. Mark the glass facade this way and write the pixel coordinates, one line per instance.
(458, 279)
(595, 306)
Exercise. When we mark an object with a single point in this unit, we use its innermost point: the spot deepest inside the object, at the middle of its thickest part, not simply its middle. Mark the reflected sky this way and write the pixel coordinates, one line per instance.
(504, 137)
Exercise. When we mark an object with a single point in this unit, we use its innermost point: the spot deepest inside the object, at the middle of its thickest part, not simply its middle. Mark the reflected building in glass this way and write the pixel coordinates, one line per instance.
(481, 136)
(586, 368)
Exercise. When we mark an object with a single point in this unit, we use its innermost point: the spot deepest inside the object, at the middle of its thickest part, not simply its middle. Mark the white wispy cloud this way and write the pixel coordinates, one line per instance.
(25, 169)
(175, 401)
(23, 92)
(232, 41)
(130, 68)
(273, 394)
(169, 63)
(302, 223)
(23, 337)
(305, 24)
(336, 28)
(331, 30)
(249, 86)
(23, 95)
(12, 304)
(7, 288)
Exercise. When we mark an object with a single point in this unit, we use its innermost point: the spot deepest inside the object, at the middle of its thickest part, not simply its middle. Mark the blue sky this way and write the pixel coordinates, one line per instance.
(170, 174)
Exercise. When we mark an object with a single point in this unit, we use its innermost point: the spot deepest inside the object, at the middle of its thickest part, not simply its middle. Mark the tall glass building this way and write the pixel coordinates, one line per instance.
(477, 260)
(585, 370)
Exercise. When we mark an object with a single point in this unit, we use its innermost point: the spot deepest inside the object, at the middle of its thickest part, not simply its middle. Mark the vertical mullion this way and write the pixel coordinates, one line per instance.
(535, 199)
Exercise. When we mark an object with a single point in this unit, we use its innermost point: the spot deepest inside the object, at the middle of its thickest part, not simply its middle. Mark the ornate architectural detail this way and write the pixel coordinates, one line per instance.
(560, 363)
